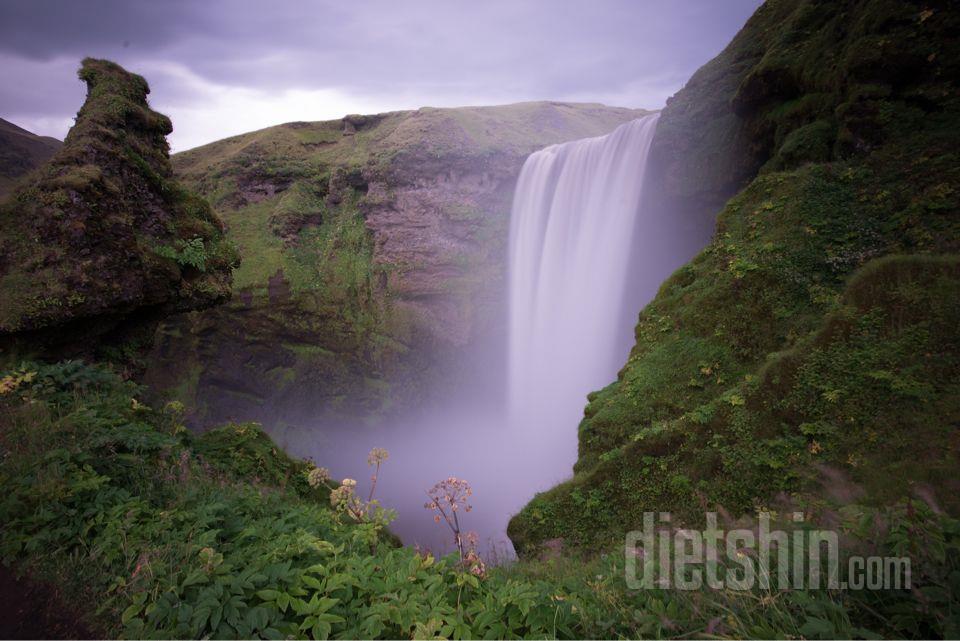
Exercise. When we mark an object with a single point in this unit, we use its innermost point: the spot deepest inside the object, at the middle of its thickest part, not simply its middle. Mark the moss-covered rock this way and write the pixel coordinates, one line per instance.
(103, 241)
(791, 348)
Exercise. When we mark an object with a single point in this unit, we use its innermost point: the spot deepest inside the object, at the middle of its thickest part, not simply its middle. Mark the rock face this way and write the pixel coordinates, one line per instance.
(373, 254)
(21, 152)
(814, 339)
(102, 241)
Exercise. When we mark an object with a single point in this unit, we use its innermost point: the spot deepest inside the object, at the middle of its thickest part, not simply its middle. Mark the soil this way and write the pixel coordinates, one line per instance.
(33, 610)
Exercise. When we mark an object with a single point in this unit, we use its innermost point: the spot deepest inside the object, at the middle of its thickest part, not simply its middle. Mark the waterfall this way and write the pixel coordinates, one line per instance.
(572, 229)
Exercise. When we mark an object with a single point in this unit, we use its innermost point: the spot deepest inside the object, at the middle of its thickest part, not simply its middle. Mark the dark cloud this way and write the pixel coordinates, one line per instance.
(378, 51)
(45, 29)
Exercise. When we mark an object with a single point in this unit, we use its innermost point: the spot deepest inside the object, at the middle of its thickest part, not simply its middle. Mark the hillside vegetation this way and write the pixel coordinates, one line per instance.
(159, 533)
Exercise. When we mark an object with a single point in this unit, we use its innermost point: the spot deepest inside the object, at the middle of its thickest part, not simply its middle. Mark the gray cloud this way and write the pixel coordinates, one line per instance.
(376, 52)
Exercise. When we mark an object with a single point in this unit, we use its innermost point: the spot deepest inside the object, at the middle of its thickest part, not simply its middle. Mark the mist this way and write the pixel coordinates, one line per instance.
(581, 227)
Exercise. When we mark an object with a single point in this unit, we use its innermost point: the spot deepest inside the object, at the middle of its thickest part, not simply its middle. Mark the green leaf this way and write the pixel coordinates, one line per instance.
(312, 582)
(130, 612)
(819, 628)
(258, 617)
(195, 577)
(321, 630)
(330, 618)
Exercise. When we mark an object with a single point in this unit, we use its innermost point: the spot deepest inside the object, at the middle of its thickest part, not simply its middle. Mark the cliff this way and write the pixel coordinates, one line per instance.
(102, 241)
(810, 351)
(373, 258)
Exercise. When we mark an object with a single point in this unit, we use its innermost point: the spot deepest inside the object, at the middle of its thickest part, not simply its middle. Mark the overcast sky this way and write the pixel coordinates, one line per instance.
(223, 67)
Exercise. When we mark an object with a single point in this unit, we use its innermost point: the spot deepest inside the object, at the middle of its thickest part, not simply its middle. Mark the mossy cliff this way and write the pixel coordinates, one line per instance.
(811, 350)
(102, 241)
(373, 255)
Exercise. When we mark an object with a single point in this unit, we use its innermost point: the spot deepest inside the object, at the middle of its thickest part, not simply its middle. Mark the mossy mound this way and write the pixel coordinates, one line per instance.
(792, 346)
(103, 239)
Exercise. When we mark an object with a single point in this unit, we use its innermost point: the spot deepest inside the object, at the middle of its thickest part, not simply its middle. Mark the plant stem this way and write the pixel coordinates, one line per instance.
(373, 486)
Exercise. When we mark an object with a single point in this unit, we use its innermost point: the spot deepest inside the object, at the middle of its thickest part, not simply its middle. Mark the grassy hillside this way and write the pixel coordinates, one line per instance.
(372, 256)
(813, 345)
(276, 167)
(20, 152)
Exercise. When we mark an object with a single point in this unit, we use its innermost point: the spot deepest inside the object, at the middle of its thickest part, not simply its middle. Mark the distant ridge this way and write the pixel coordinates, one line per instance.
(21, 151)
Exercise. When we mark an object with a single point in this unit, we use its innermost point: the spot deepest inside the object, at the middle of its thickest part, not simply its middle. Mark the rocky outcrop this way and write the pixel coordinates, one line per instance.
(387, 234)
(772, 101)
(21, 152)
(103, 241)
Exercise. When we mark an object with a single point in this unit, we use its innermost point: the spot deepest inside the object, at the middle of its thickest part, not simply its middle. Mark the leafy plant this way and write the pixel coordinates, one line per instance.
(187, 253)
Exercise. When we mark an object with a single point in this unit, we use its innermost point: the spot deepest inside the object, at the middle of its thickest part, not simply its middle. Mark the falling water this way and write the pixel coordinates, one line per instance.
(572, 228)
(572, 249)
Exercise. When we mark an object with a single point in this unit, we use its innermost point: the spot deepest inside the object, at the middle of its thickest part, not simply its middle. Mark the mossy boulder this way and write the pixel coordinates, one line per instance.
(103, 240)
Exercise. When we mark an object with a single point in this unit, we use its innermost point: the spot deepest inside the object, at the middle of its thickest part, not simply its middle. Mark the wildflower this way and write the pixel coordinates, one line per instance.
(344, 493)
(317, 476)
(377, 456)
(174, 407)
(447, 498)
